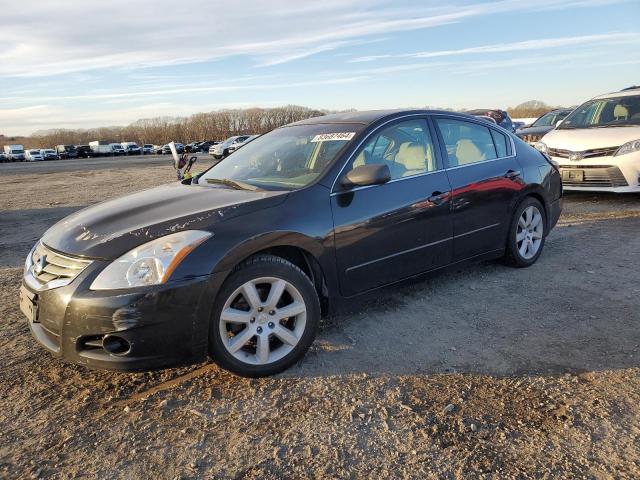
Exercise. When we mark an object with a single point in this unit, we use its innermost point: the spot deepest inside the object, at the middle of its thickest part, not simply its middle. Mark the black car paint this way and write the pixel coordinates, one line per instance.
(350, 241)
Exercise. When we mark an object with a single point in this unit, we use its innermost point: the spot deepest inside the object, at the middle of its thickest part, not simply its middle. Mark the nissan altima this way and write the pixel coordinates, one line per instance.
(238, 263)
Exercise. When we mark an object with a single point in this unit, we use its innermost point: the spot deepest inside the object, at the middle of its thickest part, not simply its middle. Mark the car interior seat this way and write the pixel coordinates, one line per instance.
(468, 152)
(620, 112)
(414, 158)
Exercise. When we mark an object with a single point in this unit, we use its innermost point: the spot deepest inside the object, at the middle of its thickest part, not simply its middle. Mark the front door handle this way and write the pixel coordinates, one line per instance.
(511, 174)
(438, 198)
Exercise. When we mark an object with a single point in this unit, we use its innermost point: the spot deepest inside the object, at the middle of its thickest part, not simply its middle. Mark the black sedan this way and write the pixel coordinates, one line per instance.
(543, 125)
(239, 262)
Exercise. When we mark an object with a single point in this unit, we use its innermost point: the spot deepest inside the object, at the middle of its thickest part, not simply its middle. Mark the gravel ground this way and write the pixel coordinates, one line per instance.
(483, 371)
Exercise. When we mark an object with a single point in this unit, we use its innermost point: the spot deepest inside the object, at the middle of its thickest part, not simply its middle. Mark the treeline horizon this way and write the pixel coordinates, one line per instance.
(216, 125)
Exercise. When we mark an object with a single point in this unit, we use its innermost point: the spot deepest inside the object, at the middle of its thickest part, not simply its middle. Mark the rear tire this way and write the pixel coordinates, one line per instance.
(264, 319)
(527, 234)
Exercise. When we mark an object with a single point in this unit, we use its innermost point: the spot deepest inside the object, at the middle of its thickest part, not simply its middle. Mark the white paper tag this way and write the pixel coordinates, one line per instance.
(327, 137)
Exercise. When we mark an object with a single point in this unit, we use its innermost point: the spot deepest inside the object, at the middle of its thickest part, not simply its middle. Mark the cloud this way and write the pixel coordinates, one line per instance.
(186, 89)
(538, 44)
(120, 34)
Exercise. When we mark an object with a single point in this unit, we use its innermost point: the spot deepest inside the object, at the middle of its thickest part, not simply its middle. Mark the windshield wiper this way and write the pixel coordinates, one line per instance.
(611, 125)
(232, 183)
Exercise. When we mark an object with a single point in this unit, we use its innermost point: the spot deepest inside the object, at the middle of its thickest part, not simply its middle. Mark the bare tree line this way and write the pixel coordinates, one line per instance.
(216, 125)
(161, 130)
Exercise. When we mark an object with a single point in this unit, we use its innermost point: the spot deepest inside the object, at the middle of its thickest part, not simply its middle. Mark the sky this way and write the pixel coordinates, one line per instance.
(70, 64)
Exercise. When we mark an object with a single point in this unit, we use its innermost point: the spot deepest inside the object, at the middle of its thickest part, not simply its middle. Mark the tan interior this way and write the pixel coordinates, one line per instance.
(468, 152)
(414, 159)
(620, 112)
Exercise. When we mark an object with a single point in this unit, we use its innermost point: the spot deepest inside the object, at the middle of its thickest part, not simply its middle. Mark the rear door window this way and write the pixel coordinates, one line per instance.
(466, 142)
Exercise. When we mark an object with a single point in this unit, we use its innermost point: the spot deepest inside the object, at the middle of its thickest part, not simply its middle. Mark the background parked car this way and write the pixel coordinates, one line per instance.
(206, 145)
(33, 155)
(542, 125)
(179, 148)
(500, 116)
(84, 151)
(192, 147)
(66, 151)
(131, 148)
(221, 150)
(487, 119)
(597, 146)
(148, 149)
(116, 149)
(3, 157)
(235, 146)
(49, 154)
(14, 153)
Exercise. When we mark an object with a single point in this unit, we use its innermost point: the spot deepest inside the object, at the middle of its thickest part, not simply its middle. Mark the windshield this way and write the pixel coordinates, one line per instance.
(605, 112)
(549, 119)
(287, 158)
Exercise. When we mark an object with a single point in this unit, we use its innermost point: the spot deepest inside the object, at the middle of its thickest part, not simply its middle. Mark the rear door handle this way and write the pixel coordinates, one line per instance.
(511, 174)
(438, 198)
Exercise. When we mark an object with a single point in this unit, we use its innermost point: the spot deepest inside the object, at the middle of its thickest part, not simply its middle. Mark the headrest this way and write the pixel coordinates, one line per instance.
(412, 156)
(620, 112)
(468, 152)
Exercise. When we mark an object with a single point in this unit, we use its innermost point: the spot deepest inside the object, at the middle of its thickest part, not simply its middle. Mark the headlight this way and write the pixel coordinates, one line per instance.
(151, 263)
(540, 146)
(629, 147)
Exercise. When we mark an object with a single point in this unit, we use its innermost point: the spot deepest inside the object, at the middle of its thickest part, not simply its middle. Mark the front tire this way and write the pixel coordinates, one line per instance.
(265, 317)
(527, 234)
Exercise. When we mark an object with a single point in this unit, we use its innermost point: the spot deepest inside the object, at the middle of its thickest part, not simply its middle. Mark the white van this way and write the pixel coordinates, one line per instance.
(14, 153)
(598, 144)
(100, 148)
(33, 156)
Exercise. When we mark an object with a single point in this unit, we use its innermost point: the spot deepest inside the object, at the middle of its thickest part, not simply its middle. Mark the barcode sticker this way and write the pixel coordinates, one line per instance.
(328, 137)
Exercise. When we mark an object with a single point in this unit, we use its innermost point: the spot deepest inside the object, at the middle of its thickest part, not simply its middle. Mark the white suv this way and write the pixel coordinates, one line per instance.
(597, 146)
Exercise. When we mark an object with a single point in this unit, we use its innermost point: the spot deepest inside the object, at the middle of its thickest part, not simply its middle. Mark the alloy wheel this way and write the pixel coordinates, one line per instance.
(529, 233)
(263, 320)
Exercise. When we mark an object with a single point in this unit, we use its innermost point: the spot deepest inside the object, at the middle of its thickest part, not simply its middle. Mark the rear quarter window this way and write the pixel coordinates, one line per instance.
(501, 142)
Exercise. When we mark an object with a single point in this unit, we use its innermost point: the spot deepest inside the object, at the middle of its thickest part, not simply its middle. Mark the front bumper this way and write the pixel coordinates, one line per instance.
(602, 174)
(162, 326)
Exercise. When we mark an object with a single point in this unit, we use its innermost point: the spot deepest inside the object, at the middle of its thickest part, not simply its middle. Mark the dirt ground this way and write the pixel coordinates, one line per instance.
(482, 371)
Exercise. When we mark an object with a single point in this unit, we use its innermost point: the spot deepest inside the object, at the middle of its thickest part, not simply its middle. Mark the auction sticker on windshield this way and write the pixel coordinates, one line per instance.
(327, 137)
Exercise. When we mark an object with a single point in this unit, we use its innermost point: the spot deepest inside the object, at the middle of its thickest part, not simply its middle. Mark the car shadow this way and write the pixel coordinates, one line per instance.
(577, 309)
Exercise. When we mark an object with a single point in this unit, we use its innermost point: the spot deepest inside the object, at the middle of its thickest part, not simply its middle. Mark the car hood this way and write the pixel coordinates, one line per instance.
(112, 228)
(589, 138)
(534, 130)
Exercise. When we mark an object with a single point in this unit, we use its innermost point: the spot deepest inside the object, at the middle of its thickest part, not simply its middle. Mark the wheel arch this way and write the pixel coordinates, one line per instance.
(301, 250)
(537, 192)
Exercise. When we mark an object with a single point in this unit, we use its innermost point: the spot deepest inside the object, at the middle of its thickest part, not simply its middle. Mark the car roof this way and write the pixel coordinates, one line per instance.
(627, 92)
(369, 116)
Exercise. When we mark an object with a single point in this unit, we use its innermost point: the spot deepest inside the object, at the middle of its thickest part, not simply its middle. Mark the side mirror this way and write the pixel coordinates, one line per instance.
(558, 123)
(364, 175)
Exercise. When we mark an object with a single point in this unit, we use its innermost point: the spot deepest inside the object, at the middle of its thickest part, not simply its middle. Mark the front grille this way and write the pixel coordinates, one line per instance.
(47, 266)
(530, 138)
(596, 176)
(596, 152)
